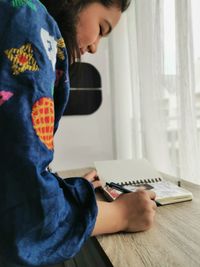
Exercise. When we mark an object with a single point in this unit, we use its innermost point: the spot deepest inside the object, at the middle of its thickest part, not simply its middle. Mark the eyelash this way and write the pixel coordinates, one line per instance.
(100, 30)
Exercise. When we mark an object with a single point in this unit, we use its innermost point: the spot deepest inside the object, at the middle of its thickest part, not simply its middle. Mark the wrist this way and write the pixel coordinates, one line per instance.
(110, 218)
(119, 221)
(121, 214)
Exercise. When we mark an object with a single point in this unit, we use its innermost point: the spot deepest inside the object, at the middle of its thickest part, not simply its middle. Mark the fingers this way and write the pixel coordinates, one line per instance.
(93, 178)
(152, 194)
(154, 206)
(96, 184)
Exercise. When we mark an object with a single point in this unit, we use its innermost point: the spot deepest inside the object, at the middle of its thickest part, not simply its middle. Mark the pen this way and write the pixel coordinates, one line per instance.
(124, 190)
(119, 187)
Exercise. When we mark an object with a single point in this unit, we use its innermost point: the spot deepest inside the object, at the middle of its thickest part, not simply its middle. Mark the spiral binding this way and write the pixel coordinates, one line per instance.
(141, 181)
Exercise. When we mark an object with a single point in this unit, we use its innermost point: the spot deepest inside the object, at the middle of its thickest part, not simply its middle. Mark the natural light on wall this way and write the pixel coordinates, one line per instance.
(169, 77)
(196, 36)
(171, 80)
(169, 38)
(163, 58)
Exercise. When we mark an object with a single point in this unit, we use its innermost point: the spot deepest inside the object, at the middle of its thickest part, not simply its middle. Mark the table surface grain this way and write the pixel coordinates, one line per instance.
(173, 241)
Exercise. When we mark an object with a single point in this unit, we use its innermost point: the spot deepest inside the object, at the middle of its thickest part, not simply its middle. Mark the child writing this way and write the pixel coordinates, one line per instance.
(44, 219)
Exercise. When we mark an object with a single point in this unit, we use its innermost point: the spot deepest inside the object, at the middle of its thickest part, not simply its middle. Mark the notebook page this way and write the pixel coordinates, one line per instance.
(120, 171)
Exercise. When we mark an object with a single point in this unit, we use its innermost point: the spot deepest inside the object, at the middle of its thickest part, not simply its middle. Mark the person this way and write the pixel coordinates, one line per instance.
(45, 219)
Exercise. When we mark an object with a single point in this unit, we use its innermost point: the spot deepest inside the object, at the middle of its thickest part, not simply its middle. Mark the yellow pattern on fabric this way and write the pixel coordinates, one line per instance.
(22, 59)
(60, 46)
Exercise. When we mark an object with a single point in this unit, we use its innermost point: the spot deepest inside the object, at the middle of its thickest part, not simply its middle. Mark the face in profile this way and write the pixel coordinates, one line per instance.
(95, 21)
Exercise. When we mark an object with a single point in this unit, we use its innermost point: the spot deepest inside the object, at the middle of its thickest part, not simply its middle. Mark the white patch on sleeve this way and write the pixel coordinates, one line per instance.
(50, 45)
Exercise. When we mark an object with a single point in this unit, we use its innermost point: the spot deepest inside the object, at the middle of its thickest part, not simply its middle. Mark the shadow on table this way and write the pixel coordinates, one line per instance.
(91, 255)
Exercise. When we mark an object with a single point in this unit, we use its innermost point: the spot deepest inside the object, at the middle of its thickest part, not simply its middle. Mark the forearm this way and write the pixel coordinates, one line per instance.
(109, 219)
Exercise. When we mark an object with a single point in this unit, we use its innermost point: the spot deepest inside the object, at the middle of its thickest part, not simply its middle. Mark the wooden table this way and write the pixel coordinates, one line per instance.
(173, 241)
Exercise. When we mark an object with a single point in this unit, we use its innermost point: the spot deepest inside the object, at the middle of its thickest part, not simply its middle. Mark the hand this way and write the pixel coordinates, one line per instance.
(93, 178)
(138, 210)
(131, 212)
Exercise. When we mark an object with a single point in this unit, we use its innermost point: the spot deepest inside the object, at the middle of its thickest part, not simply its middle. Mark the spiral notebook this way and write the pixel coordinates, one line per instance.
(134, 174)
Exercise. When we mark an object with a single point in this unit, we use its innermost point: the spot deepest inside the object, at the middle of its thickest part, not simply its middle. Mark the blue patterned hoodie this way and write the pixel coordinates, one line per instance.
(43, 219)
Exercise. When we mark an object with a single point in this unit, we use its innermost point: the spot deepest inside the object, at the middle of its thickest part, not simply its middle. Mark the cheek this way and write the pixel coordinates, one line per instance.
(81, 38)
(86, 35)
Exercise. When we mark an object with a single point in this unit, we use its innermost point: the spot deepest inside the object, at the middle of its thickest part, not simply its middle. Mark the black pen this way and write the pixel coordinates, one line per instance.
(119, 187)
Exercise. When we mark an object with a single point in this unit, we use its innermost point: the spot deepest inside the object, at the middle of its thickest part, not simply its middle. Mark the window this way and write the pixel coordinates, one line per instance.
(170, 71)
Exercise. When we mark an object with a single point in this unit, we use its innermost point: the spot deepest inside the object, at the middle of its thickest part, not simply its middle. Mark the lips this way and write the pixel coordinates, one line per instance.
(82, 51)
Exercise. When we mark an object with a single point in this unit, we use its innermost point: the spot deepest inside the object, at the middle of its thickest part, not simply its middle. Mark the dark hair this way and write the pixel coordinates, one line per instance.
(65, 13)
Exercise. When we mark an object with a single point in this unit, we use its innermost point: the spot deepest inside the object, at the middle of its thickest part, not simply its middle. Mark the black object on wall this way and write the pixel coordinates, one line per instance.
(85, 93)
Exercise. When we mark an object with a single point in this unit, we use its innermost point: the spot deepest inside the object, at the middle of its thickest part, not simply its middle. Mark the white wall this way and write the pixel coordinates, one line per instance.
(80, 140)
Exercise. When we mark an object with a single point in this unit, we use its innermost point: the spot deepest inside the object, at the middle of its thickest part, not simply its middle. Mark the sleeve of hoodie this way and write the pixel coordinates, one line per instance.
(44, 220)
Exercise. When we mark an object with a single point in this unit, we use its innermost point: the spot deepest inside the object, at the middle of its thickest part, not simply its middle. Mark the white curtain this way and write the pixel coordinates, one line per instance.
(154, 94)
